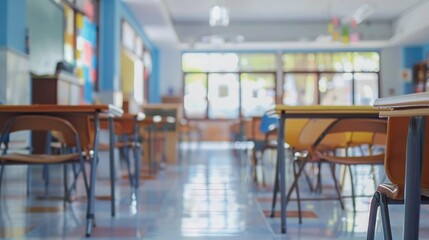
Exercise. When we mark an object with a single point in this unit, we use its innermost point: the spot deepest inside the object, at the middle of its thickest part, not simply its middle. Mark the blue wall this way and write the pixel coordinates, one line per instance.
(411, 56)
(109, 45)
(111, 14)
(154, 93)
(3, 23)
(12, 24)
(426, 51)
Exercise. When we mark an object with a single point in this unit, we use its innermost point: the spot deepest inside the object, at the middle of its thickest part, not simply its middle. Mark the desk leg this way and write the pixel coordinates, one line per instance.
(112, 164)
(415, 148)
(90, 208)
(137, 152)
(281, 161)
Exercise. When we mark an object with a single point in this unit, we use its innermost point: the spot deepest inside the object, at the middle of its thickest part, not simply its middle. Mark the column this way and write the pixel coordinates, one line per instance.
(109, 56)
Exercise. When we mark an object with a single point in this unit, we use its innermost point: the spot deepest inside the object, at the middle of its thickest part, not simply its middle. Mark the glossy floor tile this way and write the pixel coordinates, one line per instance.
(209, 194)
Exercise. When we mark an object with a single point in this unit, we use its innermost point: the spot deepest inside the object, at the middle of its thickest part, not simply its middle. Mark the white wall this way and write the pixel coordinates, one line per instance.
(170, 75)
(14, 77)
(390, 71)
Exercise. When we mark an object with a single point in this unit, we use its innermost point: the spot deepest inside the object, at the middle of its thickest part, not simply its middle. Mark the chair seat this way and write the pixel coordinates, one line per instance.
(374, 159)
(38, 158)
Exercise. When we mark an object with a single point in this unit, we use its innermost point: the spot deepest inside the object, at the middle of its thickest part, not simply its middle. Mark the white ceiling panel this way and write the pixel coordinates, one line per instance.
(268, 20)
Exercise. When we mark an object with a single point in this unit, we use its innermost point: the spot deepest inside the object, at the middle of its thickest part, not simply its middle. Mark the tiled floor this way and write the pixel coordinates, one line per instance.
(210, 194)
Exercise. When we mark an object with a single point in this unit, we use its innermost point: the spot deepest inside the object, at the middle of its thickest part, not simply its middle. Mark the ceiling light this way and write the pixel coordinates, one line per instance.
(219, 16)
(358, 16)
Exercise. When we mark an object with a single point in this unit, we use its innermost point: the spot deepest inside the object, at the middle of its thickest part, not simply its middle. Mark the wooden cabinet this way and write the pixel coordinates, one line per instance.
(62, 88)
(168, 130)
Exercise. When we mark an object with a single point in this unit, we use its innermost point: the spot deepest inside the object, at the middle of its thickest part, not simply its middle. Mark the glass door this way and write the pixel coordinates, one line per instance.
(223, 96)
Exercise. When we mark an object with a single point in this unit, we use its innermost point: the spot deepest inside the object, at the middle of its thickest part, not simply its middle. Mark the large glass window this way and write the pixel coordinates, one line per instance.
(195, 98)
(300, 89)
(223, 96)
(228, 85)
(340, 78)
(233, 85)
(136, 65)
(257, 93)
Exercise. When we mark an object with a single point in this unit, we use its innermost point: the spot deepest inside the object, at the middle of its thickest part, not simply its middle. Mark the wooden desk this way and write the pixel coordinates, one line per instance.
(415, 106)
(153, 125)
(171, 133)
(78, 117)
(285, 112)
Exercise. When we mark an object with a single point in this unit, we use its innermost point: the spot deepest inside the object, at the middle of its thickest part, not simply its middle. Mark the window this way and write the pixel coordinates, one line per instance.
(340, 78)
(136, 65)
(228, 85)
(234, 85)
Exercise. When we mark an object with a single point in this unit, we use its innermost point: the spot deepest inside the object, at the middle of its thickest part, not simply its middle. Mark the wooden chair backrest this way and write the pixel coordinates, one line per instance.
(397, 132)
(64, 130)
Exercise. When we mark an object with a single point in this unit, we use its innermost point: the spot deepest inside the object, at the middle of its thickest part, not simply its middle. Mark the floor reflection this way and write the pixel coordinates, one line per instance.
(210, 194)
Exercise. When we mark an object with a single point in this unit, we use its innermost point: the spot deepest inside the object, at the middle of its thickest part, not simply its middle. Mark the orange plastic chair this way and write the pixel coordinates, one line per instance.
(301, 136)
(353, 133)
(394, 165)
(322, 136)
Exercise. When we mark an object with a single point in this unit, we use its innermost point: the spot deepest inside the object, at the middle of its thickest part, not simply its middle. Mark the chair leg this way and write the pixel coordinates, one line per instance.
(136, 152)
(75, 174)
(28, 180)
(65, 182)
(352, 187)
(127, 161)
(295, 182)
(387, 231)
(261, 162)
(275, 190)
(307, 178)
(91, 198)
(343, 178)
(297, 192)
(337, 188)
(374, 178)
(318, 187)
(46, 177)
(375, 203)
(253, 166)
(1, 175)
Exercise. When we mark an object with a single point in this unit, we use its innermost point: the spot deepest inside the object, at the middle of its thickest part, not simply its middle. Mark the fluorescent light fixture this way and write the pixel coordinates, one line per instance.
(219, 16)
(362, 13)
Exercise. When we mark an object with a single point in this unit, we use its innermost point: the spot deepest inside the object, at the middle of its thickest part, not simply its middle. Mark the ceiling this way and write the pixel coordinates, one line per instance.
(284, 10)
(186, 21)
